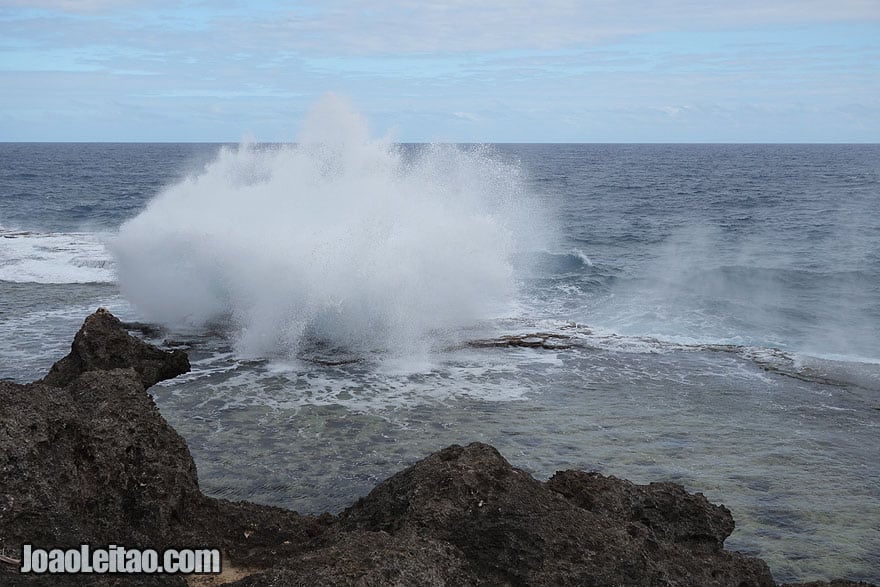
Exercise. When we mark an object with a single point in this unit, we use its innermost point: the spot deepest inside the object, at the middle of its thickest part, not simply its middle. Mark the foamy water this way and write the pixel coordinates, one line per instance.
(37, 257)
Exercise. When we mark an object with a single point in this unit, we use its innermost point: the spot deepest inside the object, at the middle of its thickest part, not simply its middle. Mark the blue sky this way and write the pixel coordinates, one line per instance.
(457, 70)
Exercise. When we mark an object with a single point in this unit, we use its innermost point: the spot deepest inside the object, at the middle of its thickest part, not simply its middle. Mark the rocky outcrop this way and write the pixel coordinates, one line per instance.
(512, 529)
(103, 344)
(92, 462)
(86, 457)
(665, 509)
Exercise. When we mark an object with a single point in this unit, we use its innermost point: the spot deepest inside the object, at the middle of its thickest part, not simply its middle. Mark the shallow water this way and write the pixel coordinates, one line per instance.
(793, 459)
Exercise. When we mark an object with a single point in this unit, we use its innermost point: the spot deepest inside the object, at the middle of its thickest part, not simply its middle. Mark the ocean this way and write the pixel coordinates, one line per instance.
(704, 314)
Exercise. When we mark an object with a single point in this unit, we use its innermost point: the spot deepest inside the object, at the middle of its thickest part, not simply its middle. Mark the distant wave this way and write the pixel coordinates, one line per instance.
(38, 257)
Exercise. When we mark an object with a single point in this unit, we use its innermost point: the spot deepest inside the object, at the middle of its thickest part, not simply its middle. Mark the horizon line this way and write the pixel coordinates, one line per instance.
(241, 142)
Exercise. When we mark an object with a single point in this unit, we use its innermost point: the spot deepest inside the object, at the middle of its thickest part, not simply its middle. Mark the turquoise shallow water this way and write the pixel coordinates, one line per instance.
(721, 304)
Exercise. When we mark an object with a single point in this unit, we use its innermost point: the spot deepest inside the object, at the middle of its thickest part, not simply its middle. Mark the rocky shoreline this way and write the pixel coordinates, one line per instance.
(86, 458)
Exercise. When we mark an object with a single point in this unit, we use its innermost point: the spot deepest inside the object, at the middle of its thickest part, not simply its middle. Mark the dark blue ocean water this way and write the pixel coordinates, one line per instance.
(722, 304)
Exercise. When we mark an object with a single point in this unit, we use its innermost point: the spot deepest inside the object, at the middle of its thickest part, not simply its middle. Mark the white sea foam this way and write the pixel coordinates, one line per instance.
(35, 257)
(341, 238)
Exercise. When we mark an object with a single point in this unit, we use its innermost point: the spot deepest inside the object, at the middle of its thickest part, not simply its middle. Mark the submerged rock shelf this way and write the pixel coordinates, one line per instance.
(86, 457)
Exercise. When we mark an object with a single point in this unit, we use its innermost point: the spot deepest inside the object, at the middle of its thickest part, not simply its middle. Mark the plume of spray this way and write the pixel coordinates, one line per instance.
(340, 238)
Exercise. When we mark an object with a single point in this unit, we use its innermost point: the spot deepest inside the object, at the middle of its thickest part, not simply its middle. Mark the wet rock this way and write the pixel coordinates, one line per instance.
(103, 344)
(543, 340)
(148, 330)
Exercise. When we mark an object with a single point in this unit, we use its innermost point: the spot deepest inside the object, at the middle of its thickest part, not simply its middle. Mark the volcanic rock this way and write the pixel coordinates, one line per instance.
(666, 509)
(93, 462)
(103, 344)
(515, 530)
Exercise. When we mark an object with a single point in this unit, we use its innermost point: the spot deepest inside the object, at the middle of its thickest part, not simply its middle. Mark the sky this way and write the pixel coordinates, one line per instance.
(444, 71)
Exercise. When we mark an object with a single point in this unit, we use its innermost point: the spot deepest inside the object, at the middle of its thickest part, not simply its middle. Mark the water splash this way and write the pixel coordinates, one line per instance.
(342, 238)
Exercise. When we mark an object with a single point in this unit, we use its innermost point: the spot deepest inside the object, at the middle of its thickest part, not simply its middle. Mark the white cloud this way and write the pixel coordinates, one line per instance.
(569, 67)
(369, 27)
(396, 26)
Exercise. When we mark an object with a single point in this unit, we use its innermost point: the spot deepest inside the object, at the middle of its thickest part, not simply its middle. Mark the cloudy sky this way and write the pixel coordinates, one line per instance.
(443, 70)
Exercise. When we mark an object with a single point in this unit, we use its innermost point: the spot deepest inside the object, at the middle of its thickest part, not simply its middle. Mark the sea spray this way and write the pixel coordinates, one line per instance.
(341, 239)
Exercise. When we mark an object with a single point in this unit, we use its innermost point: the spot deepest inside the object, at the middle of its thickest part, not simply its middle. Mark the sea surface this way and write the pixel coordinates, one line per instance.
(710, 314)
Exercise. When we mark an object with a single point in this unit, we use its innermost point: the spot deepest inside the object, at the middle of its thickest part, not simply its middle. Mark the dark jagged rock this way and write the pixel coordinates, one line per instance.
(86, 457)
(666, 509)
(92, 462)
(515, 530)
(835, 583)
(103, 344)
(372, 559)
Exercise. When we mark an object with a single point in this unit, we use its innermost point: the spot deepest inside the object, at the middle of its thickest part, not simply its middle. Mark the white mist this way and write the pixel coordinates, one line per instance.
(340, 238)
